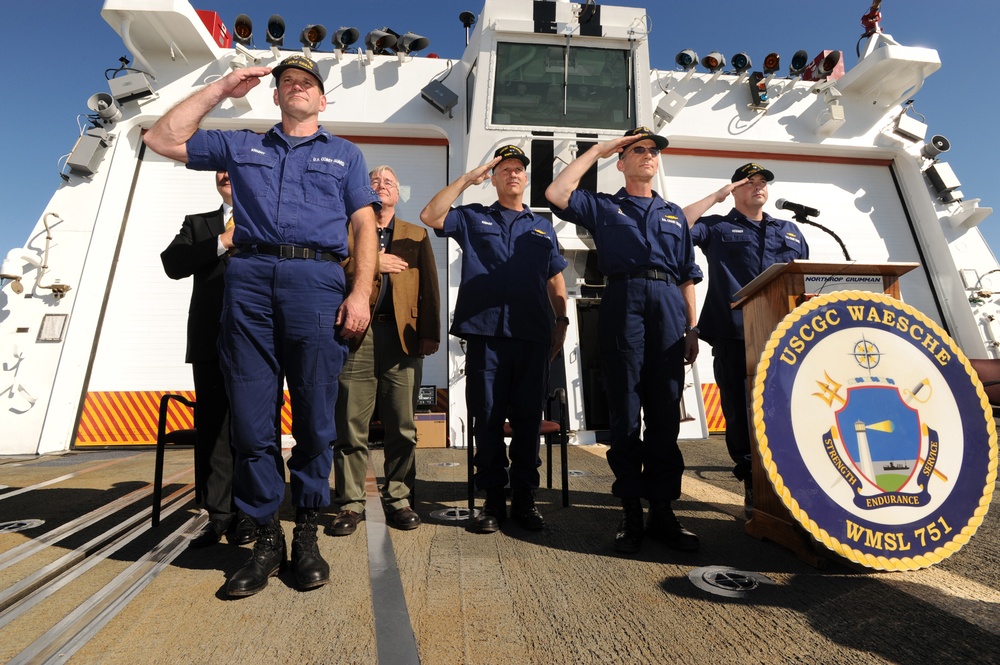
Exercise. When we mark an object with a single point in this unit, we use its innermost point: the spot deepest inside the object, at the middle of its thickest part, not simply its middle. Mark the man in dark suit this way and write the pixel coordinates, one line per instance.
(386, 364)
(201, 248)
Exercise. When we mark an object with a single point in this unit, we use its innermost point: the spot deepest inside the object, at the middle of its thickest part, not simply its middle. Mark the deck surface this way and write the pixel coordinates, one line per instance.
(558, 596)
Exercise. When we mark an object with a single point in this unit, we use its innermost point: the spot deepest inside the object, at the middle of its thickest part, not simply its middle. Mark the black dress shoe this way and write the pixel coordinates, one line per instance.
(267, 559)
(308, 566)
(405, 519)
(494, 511)
(522, 509)
(345, 523)
(628, 538)
(242, 531)
(748, 498)
(210, 535)
(664, 527)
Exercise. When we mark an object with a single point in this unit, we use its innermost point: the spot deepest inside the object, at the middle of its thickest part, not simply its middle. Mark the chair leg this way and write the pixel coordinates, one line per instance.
(158, 481)
(564, 453)
(548, 464)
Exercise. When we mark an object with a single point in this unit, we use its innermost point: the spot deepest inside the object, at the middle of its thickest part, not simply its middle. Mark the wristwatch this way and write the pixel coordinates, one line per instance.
(562, 319)
(693, 329)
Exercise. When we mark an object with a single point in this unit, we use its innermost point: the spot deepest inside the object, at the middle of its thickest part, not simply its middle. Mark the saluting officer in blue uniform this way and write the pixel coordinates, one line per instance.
(511, 285)
(739, 246)
(646, 327)
(294, 189)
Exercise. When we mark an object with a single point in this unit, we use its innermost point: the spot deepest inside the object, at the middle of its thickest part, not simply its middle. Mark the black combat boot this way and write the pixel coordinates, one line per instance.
(522, 508)
(664, 527)
(267, 559)
(494, 511)
(308, 566)
(628, 539)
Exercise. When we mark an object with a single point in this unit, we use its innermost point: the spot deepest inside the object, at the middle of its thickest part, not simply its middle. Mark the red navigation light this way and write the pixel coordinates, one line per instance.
(713, 61)
(772, 63)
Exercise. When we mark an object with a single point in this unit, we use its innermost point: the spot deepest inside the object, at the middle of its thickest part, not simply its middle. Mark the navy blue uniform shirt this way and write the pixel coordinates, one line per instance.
(302, 195)
(508, 258)
(635, 233)
(738, 250)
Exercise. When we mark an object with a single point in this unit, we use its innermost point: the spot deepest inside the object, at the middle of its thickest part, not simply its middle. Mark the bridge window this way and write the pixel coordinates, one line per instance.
(562, 86)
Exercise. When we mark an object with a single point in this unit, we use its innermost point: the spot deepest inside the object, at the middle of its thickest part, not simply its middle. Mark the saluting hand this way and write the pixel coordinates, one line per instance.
(615, 146)
(239, 82)
(478, 176)
(721, 195)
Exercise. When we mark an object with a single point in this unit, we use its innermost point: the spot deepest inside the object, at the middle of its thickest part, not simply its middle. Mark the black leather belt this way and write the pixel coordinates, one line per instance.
(291, 252)
(384, 318)
(655, 275)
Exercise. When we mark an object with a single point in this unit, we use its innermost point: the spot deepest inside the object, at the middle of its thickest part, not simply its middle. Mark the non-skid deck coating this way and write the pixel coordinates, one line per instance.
(557, 596)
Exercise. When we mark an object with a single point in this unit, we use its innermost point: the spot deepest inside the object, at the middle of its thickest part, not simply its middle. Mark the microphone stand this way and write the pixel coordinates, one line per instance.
(803, 219)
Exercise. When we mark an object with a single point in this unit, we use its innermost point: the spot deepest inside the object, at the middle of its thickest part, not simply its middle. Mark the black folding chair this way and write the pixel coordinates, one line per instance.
(554, 430)
(181, 437)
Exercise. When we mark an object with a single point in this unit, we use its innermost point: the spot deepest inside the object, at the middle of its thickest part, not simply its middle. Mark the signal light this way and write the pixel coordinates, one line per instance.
(829, 63)
(758, 91)
(799, 62)
(243, 30)
(312, 36)
(345, 37)
(686, 59)
(275, 30)
(741, 62)
(412, 42)
(713, 61)
(771, 63)
(377, 41)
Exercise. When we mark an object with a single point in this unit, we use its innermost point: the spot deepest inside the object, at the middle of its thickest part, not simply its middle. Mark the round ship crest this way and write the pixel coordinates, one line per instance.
(874, 430)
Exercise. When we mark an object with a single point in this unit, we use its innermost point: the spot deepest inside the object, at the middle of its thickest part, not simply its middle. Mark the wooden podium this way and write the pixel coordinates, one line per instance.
(765, 302)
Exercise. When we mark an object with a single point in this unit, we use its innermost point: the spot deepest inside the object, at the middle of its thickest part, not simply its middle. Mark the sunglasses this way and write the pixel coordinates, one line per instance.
(642, 150)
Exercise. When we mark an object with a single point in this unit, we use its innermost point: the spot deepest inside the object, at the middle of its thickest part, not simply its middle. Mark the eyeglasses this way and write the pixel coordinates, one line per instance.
(642, 150)
(377, 182)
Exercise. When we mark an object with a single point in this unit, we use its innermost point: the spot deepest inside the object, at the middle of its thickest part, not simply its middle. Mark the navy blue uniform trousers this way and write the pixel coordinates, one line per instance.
(506, 380)
(730, 365)
(278, 315)
(644, 378)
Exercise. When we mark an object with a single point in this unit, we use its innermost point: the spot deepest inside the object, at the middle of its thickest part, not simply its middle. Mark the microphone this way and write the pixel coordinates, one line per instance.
(796, 207)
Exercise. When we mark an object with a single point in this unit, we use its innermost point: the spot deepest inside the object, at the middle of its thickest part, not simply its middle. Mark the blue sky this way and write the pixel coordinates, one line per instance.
(44, 98)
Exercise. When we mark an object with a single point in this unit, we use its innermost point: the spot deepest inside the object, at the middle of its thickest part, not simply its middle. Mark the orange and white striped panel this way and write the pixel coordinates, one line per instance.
(713, 408)
(129, 418)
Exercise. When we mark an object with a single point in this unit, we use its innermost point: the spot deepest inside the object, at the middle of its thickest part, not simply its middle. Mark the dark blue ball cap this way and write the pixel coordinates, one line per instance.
(512, 152)
(750, 169)
(660, 142)
(299, 62)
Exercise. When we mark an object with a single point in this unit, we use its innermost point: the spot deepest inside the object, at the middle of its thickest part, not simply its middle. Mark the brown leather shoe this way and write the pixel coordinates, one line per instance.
(345, 523)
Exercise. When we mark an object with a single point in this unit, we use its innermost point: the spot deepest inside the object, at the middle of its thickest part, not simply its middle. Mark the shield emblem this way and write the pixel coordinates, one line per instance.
(881, 434)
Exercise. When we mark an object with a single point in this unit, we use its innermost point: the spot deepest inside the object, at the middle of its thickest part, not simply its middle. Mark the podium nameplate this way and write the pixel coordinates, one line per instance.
(830, 283)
